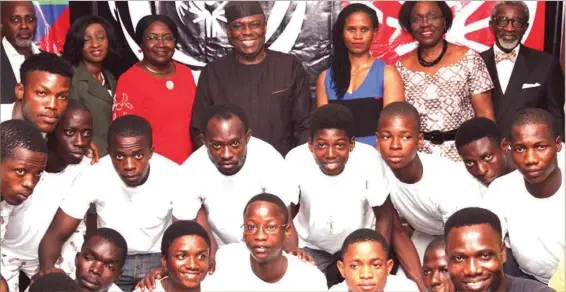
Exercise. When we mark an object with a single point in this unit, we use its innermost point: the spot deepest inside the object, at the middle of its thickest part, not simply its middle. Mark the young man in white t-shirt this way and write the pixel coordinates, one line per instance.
(478, 142)
(425, 189)
(338, 185)
(26, 224)
(100, 261)
(535, 221)
(365, 265)
(135, 192)
(476, 253)
(260, 263)
(435, 267)
(230, 168)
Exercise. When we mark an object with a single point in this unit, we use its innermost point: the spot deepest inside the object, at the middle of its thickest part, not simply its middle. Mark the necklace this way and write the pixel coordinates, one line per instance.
(157, 72)
(434, 62)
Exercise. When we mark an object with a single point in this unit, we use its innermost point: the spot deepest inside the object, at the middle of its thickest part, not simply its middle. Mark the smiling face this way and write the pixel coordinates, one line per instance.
(73, 135)
(247, 35)
(158, 44)
(365, 267)
(398, 140)
(44, 97)
(358, 33)
(331, 149)
(484, 159)
(435, 271)
(427, 23)
(534, 149)
(95, 48)
(19, 23)
(265, 230)
(20, 174)
(130, 158)
(226, 142)
(507, 36)
(187, 261)
(98, 264)
(476, 256)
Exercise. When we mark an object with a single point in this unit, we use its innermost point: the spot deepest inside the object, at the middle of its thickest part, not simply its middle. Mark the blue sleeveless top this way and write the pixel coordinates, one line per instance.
(365, 103)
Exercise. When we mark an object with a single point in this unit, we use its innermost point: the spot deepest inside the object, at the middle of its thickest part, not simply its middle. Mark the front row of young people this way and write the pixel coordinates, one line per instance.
(468, 257)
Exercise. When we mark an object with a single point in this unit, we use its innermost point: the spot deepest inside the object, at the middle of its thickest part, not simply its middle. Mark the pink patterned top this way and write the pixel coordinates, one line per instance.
(444, 100)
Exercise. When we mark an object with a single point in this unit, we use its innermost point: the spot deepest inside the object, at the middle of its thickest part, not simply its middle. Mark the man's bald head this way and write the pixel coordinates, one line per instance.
(19, 23)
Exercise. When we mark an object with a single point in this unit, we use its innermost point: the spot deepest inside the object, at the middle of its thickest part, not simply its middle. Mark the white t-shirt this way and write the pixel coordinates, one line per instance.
(140, 214)
(28, 222)
(6, 110)
(225, 197)
(234, 273)
(332, 207)
(445, 187)
(393, 284)
(535, 226)
(114, 288)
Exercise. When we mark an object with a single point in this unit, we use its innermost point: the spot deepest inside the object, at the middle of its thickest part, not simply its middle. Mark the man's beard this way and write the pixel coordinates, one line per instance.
(508, 45)
(23, 43)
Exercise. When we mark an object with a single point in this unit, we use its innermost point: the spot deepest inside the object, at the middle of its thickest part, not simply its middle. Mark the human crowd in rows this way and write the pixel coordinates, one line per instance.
(442, 172)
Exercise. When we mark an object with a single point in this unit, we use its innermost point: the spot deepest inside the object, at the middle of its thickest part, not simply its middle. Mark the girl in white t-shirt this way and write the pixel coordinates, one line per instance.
(185, 252)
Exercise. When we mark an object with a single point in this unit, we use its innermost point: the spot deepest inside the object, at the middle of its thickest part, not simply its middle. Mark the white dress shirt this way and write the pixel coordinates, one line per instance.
(16, 60)
(505, 68)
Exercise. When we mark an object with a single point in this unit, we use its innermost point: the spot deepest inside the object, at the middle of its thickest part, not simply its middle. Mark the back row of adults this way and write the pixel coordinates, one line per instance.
(447, 83)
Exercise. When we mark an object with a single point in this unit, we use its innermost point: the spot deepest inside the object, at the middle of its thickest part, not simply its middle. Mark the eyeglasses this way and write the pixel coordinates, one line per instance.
(250, 229)
(19, 19)
(431, 17)
(502, 21)
(166, 39)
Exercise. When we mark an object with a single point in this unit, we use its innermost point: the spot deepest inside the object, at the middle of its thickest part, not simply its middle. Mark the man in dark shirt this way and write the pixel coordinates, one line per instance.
(270, 86)
(476, 253)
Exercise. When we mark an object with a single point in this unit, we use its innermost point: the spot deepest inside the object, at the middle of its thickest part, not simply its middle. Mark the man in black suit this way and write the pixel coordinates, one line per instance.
(523, 77)
(19, 24)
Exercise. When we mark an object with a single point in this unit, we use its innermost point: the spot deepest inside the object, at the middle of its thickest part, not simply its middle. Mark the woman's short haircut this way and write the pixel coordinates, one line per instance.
(407, 8)
(148, 20)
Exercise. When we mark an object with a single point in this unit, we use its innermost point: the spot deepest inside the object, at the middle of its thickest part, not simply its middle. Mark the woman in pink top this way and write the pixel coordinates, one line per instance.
(159, 89)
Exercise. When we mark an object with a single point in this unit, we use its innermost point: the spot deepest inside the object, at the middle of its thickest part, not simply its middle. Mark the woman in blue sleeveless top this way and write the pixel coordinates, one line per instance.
(355, 78)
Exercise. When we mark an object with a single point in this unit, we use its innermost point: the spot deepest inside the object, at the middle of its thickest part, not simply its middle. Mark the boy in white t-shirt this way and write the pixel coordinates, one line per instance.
(135, 192)
(478, 142)
(260, 264)
(425, 189)
(100, 261)
(338, 185)
(435, 267)
(227, 171)
(365, 265)
(185, 251)
(26, 224)
(535, 221)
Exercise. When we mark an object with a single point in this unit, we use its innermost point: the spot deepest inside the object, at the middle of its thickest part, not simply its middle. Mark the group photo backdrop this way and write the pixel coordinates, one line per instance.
(296, 27)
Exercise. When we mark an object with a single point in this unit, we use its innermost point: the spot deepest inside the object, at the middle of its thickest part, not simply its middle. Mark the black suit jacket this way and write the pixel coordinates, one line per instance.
(8, 82)
(531, 67)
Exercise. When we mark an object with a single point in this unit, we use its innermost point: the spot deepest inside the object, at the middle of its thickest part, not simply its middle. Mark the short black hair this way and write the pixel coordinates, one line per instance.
(473, 216)
(74, 105)
(146, 21)
(535, 116)
(437, 243)
(17, 133)
(130, 126)
(46, 62)
(400, 109)
(225, 112)
(332, 116)
(475, 129)
(270, 198)
(179, 229)
(75, 40)
(407, 8)
(112, 236)
(56, 281)
(363, 235)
